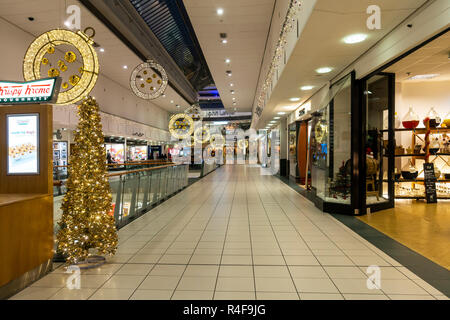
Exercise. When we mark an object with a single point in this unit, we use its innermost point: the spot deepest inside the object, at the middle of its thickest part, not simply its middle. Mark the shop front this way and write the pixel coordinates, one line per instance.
(368, 142)
(137, 150)
(411, 97)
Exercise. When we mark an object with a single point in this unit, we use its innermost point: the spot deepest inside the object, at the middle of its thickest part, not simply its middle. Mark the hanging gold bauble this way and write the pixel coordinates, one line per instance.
(45, 61)
(46, 44)
(149, 80)
(65, 85)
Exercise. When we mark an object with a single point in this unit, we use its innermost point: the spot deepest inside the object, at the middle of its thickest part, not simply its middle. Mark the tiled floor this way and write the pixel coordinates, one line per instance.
(233, 235)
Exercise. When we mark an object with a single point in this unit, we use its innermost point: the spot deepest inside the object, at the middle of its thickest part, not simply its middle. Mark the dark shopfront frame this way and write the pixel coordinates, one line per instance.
(358, 109)
(359, 134)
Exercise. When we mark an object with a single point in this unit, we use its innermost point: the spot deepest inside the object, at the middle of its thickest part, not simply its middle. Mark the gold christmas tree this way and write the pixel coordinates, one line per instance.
(87, 222)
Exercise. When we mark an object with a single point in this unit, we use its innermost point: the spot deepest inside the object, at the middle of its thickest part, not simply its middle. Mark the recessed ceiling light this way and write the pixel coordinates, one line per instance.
(232, 91)
(355, 38)
(224, 41)
(424, 76)
(227, 60)
(163, 95)
(324, 70)
(294, 99)
(281, 113)
(234, 98)
(67, 24)
(220, 11)
(125, 67)
(171, 101)
(178, 106)
(276, 118)
(306, 88)
(231, 84)
(102, 50)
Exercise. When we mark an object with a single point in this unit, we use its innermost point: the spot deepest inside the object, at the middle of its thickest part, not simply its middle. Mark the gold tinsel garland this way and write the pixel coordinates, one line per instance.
(87, 221)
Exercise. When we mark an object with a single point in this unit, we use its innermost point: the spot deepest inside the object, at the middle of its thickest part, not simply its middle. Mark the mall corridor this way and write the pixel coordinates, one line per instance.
(237, 234)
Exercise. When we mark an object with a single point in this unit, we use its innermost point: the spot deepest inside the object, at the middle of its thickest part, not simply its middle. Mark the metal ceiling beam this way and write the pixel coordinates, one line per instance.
(125, 22)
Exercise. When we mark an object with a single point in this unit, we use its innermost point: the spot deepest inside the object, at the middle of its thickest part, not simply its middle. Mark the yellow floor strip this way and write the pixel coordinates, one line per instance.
(422, 227)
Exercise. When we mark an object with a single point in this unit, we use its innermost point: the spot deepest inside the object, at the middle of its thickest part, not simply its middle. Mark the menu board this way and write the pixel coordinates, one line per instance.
(430, 182)
(22, 140)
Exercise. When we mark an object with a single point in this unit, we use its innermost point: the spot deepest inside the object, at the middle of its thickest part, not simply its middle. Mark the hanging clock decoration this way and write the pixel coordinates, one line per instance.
(149, 80)
(195, 112)
(217, 141)
(65, 54)
(242, 144)
(321, 131)
(181, 126)
(202, 134)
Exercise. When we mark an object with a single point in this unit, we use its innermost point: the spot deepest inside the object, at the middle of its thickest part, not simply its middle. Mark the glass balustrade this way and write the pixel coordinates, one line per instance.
(136, 192)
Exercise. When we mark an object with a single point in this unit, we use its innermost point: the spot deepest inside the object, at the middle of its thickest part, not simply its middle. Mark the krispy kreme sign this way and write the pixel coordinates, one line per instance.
(38, 91)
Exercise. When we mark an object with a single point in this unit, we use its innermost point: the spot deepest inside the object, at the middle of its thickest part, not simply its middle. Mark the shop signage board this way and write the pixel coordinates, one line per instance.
(36, 92)
(23, 144)
(430, 182)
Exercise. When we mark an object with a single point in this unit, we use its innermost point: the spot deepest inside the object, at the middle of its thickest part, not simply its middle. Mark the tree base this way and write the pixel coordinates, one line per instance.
(91, 262)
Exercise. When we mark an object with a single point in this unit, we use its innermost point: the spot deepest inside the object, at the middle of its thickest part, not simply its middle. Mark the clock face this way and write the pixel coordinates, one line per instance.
(64, 54)
(149, 80)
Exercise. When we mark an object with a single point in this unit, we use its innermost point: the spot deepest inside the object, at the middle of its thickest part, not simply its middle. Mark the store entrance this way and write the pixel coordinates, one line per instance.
(411, 140)
(378, 133)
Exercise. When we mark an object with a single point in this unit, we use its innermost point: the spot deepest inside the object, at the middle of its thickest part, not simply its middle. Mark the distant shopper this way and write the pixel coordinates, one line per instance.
(109, 157)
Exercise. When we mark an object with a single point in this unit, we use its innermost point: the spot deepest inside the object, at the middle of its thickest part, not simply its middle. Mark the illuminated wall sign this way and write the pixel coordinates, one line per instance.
(23, 143)
(304, 109)
(38, 91)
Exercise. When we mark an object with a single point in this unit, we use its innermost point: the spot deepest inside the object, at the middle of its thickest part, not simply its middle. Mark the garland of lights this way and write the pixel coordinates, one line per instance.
(42, 51)
(145, 83)
(288, 25)
(181, 126)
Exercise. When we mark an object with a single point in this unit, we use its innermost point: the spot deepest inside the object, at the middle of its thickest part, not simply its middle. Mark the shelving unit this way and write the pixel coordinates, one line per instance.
(427, 157)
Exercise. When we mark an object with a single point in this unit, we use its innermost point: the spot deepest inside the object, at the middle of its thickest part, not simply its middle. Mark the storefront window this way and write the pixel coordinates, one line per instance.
(330, 146)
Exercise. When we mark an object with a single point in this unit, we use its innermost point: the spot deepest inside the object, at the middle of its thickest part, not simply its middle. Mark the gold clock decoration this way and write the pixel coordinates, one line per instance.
(202, 134)
(217, 141)
(64, 47)
(140, 82)
(181, 125)
(195, 112)
(242, 144)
